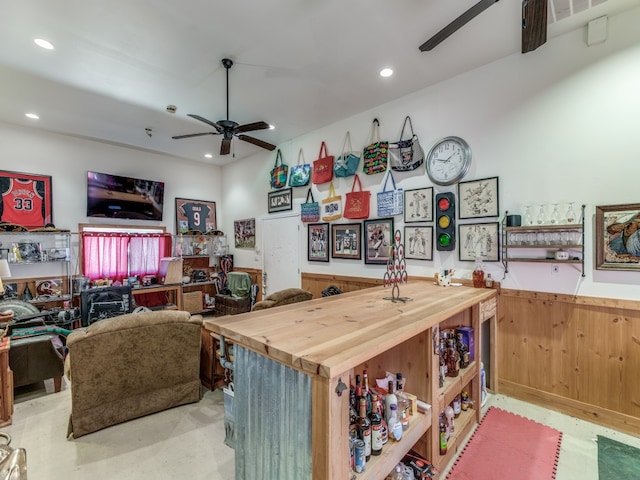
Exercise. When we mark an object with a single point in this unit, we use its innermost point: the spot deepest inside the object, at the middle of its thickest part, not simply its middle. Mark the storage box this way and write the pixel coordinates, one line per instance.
(170, 270)
(467, 337)
(192, 301)
(228, 305)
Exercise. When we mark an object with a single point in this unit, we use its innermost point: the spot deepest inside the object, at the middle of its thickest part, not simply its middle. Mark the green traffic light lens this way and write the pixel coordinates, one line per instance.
(444, 239)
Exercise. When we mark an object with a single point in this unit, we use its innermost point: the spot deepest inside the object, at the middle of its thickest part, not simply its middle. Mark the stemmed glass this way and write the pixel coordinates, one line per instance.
(571, 214)
(555, 215)
(528, 218)
(541, 216)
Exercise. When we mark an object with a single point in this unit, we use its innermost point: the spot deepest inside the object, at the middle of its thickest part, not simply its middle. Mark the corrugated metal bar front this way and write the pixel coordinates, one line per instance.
(272, 407)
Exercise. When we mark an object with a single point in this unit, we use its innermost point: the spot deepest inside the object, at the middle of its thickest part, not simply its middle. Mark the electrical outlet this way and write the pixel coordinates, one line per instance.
(555, 269)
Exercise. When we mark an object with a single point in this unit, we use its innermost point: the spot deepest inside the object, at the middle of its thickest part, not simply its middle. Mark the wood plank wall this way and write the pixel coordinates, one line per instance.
(316, 283)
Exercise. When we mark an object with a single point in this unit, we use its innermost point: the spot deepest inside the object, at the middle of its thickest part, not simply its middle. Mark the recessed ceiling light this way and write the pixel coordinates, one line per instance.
(41, 42)
(32, 116)
(386, 72)
(208, 155)
(271, 127)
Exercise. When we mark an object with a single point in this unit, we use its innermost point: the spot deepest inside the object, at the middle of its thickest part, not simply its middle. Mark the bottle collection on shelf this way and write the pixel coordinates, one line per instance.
(376, 418)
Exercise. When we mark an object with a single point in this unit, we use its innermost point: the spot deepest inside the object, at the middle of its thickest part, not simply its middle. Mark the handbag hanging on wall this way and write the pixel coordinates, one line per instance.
(406, 155)
(356, 205)
(390, 202)
(332, 205)
(347, 163)
(301, 173)
(323, 166)
(279, 172)
(310, 210)
(375, 155)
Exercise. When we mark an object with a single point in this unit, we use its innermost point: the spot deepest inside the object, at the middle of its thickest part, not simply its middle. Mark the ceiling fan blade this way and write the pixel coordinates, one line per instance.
(456, 24)
(177, 137)
(257, 142)
(534, 24)
(252, 126)
(225, 146)
(208, 122)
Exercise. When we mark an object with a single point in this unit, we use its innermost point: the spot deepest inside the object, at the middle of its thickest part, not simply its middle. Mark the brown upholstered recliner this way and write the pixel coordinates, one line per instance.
(283, 297)
(36, 358)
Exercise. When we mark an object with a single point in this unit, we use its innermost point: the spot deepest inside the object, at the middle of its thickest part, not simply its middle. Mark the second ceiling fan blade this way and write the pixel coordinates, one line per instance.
(225, 146)
(208, 122)
(456, 24)
(257, 142)
(177, 137)
(252, 126)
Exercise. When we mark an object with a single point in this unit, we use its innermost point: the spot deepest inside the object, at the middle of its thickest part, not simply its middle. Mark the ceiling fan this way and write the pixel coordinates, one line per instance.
(229, 128)
(534, 24)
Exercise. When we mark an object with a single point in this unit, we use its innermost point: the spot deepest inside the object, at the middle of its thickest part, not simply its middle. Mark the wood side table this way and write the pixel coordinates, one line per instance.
(6, 384)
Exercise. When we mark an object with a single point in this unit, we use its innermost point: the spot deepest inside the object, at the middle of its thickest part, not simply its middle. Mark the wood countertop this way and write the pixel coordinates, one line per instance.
(328, 336)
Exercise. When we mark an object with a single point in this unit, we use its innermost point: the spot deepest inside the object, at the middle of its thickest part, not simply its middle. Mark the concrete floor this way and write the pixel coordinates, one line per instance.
(188, 442)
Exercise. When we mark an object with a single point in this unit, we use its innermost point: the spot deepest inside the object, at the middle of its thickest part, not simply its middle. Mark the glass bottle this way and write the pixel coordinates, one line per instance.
(389, 399)
(457, 406)
(376, 426)
(478, 273)
(443, 436)
(364, 428)
(394, 424)
(488, 281)
(366, 392)
(452, 358)
(403, 403)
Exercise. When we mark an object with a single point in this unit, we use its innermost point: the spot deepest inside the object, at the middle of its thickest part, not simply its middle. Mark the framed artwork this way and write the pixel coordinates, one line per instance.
(195, 215)
(346, 239)
(618, 237)
(379, 238)
(280, 200)
(418, 205)
(318, 242)
(479, 240)
(478, 198)
(244, 232)
(418, 242)
(10, 290)
(25, 199)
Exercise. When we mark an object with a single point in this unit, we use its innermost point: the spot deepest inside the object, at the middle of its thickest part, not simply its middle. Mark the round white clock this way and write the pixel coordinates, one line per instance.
(448, 161)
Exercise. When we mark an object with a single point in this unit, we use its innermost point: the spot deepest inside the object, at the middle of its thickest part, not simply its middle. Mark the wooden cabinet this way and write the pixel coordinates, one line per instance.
(331, 339)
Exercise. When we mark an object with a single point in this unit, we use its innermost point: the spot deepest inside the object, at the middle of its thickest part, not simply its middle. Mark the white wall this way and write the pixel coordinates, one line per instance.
(556, 125)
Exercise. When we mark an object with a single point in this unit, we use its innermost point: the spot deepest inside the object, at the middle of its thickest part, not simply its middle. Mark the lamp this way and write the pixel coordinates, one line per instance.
(5, 272)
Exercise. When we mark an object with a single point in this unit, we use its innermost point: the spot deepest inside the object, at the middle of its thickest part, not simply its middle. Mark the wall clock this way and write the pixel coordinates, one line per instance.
(448, 161)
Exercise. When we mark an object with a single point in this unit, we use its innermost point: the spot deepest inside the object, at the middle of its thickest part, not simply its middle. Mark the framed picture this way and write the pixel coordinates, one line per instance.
(418, 205)
(195, 215)
(30, 195)
(478, 198)
(379, 238)
(346, 239)
(244, 232)
(10, 290)
(418, 242)
(318, 242)
(280, 200)
(618, 237)
(479, 240)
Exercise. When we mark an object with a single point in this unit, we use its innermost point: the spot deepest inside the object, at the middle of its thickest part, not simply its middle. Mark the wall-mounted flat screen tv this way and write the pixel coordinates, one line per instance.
(123, 197)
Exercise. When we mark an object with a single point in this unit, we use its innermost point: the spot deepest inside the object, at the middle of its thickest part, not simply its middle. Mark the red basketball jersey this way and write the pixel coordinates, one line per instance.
(22, 204)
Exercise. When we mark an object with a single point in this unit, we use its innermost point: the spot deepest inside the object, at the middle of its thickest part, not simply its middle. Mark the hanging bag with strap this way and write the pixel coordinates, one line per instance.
(347, 163)
(406, 155)
(375, 155)
(310, 210)
(332, 205)
(390, 202)
(301, 173)
(279, 172)
(356, 205)
(323, 166)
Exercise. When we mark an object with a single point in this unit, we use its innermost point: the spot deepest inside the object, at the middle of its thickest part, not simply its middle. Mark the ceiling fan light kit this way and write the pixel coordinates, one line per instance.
(228, 128)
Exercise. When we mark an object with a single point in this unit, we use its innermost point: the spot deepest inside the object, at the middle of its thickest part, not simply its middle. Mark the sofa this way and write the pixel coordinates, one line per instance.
(133, 365)
(283, 297)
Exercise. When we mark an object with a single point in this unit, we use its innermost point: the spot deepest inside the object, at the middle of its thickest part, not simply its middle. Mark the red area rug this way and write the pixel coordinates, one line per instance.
(506, 446)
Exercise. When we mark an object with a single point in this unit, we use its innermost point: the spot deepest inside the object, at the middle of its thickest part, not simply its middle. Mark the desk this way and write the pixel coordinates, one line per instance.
(173, 291)
(6, 384)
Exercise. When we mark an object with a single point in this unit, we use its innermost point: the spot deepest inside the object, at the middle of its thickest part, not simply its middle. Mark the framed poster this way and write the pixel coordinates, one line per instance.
(25, 199)
(618, 237)
(318, 242)
(479, 240)
(244, 232)
(478, 198)
(280, 200)
(346, 239)
(195, 215)
(379, 238)
(418, 242)
(418, 205)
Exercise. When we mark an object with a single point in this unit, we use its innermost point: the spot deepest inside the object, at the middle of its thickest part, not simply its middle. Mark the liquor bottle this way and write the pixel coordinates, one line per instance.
(389, 399)
(452, 357)
(463, 351)
(457, 406)
(353, 423)
(478, 273)
(366, 392)
(464, 401)
(376, 426)
(364, 428)
(377, 407)
(443, 437)
(442, 371)
(395, 425)
(403, 403)
(356, 394)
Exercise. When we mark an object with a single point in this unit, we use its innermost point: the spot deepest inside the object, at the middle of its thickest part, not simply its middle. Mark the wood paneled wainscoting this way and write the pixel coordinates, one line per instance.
(317, 282)
(578, 355)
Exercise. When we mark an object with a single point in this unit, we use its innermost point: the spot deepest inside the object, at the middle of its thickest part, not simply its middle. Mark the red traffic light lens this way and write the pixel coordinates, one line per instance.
(444, 204)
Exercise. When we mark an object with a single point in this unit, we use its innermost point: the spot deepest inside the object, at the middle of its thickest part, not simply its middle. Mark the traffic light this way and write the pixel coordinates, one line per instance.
(445, 221)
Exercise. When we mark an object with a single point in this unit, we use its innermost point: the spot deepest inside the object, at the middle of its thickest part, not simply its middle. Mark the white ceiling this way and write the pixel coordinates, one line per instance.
(299, 65)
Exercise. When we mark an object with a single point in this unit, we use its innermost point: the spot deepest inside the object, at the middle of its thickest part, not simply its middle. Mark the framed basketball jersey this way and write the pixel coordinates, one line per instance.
(25, 199)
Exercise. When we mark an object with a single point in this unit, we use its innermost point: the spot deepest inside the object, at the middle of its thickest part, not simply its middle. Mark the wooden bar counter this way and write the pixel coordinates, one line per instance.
(333, 338)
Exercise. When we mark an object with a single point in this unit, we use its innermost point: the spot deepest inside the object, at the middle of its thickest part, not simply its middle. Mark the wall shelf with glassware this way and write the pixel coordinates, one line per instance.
(544, 243)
